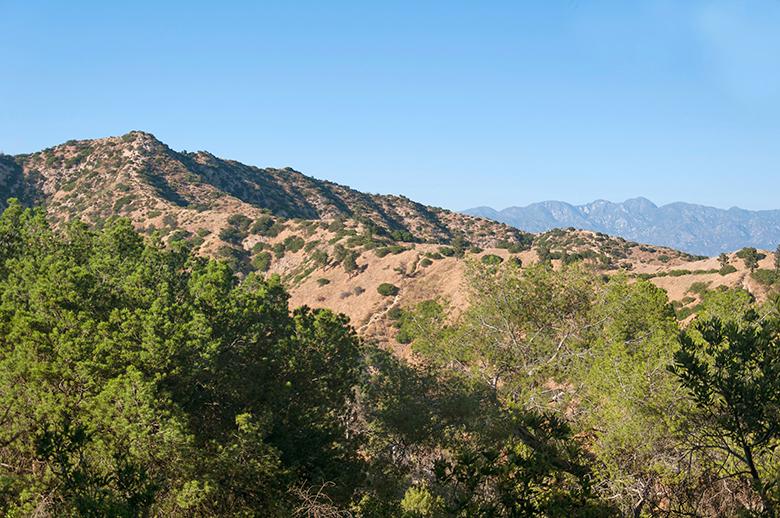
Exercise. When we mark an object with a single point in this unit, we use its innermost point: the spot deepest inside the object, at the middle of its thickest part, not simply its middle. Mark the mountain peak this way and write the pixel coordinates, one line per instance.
(139, 134)
(641, 200)
(639, 204)
(133, 140)
(143, 140)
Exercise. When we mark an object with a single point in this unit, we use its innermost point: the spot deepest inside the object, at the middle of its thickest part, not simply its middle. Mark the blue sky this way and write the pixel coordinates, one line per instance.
(452, 103)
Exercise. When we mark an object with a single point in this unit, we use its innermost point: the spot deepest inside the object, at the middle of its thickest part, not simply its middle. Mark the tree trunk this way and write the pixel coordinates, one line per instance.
(769, 508)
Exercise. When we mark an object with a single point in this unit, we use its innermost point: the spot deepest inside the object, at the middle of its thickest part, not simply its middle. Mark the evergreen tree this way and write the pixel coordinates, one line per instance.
(732, 373)
(138, 380)
(459, 244)
(751, 257)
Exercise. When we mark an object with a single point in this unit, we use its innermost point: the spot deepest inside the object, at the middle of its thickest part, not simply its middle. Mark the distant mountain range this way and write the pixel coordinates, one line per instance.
(693, 228)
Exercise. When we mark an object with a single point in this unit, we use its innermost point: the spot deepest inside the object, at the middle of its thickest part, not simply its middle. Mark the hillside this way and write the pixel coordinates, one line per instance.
(427, 271)
(694, 228)
(138, 176)
(332, 246)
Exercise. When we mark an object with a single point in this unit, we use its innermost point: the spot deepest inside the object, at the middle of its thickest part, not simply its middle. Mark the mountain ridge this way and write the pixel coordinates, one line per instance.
(690, 227)
(137, 175)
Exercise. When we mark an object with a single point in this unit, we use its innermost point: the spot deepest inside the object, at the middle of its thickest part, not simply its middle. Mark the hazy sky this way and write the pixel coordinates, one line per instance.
(452, 103)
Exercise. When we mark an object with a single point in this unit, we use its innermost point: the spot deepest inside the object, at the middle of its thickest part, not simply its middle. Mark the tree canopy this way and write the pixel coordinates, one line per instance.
(137, 379)
(140, 379)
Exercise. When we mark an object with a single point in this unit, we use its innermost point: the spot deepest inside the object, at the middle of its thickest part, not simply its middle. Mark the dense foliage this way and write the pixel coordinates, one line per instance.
(675, 423)
(135, 379)
(138, 379)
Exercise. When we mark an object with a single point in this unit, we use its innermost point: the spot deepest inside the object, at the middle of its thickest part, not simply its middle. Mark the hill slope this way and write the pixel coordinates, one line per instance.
(694, 228)
(138, 176)
(332, 246)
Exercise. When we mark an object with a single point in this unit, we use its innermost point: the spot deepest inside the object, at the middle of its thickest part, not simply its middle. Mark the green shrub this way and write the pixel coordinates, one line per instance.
(386, 250)
(403, 337)
(700, 288)
(336, 226)
(178, 235)
(236, 258)
(231, 234)
(120, 203)
(402, 235)
(394, 313)
(765, 277)
(750, 251)
(387, 290)
(513, 248)
(751, 257)
(491, 260)
(323, 282)
(687, 311)
(266, 226)
(262, 224)
(350, 261)
(320, 257)
(294, 243)
(239, 221)
(425, 262)
(727, 269)
(262, 261)
(339, 253)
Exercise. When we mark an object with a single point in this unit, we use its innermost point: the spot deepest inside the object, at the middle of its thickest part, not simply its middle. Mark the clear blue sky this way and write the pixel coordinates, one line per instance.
(452, 103)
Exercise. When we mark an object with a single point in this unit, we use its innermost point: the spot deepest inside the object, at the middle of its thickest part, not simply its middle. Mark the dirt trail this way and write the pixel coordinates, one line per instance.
(379, 315)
